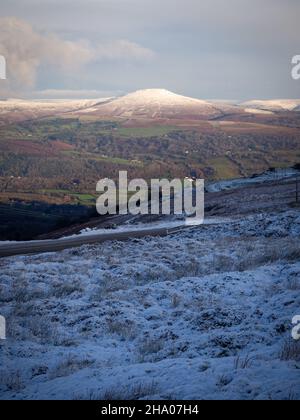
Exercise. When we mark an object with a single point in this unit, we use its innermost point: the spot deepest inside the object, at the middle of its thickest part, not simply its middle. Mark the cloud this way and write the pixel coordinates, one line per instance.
(26, 50)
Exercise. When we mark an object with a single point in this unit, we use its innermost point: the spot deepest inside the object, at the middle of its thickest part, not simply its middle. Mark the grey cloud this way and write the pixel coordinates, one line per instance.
(26, 50)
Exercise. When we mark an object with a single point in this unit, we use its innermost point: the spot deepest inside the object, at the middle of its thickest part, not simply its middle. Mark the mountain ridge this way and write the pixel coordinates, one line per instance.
(160, 103)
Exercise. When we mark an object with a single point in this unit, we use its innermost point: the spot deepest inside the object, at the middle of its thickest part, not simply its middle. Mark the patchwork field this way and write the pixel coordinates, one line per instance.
(67, 156)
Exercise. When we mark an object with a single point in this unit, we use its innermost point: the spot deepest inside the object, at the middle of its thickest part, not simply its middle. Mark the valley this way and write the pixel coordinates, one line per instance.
(55, 153)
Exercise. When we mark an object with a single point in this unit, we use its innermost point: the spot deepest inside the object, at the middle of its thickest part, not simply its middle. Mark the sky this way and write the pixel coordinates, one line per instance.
(210, 49)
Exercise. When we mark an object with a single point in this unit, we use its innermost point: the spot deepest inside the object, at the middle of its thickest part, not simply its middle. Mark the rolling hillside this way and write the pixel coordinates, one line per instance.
(55, 152)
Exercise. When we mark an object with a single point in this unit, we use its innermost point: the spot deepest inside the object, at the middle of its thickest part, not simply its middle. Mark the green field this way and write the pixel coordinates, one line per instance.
(224, 168)
(79, 198)
(145, 132)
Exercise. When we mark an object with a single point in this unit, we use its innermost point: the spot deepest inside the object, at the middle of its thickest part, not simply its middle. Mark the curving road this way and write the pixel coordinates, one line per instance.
(36, 247)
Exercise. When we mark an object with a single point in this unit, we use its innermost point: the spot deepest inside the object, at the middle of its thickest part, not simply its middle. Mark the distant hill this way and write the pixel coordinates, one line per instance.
(161, 104)
(273, 105)
(15, 110)
(143, 105)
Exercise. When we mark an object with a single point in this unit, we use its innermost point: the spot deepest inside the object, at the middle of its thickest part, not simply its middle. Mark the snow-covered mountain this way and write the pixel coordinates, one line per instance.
(16, 110)
(273, 105)
(161, 103)
(147, 104)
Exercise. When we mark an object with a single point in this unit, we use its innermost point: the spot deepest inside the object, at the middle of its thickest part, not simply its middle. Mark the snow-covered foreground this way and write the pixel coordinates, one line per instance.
(204, 314)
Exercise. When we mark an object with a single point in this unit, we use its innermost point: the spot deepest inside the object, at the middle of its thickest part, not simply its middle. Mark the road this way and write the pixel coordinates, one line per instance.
(37, 247)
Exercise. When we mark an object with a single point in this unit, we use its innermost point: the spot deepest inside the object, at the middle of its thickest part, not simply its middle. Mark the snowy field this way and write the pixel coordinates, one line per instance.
(204, 314)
